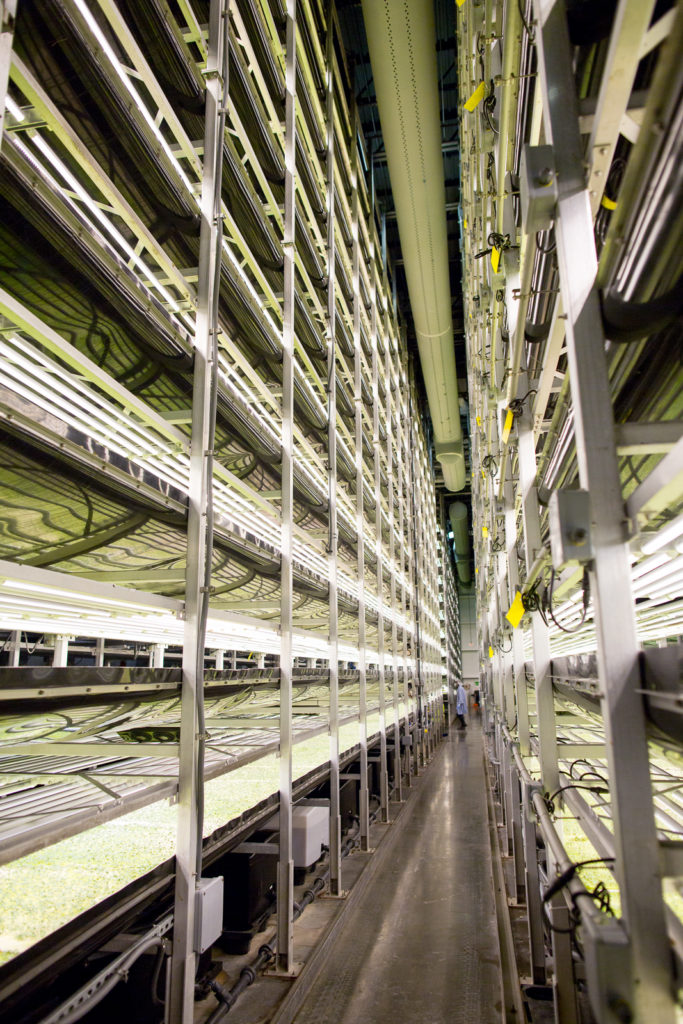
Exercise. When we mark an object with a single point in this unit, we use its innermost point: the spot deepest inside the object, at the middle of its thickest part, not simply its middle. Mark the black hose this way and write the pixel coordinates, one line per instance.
(156, 974)
(228, 997)
(626, 322)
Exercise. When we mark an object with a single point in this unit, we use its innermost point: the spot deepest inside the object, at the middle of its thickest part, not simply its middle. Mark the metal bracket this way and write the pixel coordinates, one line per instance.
(537, 188)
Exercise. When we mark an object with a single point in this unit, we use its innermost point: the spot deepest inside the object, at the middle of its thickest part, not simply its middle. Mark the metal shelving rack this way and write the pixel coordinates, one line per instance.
(570, 135)
(207, 413)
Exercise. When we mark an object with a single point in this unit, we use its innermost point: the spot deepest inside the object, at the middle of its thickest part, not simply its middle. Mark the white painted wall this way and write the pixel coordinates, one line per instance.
(468, 637)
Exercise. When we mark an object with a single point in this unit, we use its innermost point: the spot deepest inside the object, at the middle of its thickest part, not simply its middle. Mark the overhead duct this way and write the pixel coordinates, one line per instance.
(402, 44)
(457, 513)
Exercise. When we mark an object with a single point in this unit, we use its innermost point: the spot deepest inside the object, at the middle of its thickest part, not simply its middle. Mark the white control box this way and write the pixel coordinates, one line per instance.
(208, 912)
(310, 831)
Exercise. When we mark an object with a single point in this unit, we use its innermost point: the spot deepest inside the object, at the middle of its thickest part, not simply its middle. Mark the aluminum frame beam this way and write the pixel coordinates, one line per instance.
(199, 544)
(635, 838)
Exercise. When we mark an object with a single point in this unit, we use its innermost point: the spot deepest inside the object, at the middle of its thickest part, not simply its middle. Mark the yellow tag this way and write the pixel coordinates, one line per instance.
(516, 613)
(478, 421)
(460, 2)
(490, 651)
(464, 223)
(495, 259)
(509, 420)
(476, 97)
(608, 203)
(485, 531)
(476, 572)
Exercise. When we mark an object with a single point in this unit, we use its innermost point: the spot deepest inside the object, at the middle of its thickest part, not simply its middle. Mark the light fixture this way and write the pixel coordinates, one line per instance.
(124, 76)
(14, 109)
(671, 531)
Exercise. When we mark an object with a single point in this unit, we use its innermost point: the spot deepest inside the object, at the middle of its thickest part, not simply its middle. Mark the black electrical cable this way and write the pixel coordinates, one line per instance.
(517, 404)
(586, 599)
(593, 774)
(612, 186)
(498, 241)
(489, 464)
(591, 770)
(545, 251)
(600, 891)
(574, 785)
(488, 107)
(563, 880)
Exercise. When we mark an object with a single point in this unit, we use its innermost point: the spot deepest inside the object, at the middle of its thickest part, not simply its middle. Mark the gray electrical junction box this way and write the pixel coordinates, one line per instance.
(569, 519)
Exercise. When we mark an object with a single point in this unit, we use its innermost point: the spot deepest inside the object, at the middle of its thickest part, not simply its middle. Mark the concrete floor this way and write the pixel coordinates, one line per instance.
(423, 946)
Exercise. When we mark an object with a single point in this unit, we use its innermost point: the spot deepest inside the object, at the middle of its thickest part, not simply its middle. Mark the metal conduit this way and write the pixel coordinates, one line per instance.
(401, 40)
(457, 513)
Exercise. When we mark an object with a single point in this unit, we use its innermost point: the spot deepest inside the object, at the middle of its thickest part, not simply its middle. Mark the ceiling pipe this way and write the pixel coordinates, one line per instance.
(457, 513)
(402, 43)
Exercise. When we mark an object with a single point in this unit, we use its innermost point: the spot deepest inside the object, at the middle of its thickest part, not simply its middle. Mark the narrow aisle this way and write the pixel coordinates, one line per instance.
(423, 946)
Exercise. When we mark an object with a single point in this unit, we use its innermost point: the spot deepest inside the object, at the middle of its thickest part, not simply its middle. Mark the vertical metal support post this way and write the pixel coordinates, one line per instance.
(285, 882)
(403, 550)
(518, 661)
(197, 573)
(156, 657)
(533, 892)
(364, 797)
(413, 533)
(423, 609)
(517, 835)
(8, 13)
(15, 649)
(635, 838)
(450, 619)
(219, 658)
(410, 528)
(397, 772)
(99, 652)
(335, 817)
(506, 795)
(545, 706)
(429, 670)
(434, 710)
(505, 657)
(61, 652)
(379, 559)
(564, 986)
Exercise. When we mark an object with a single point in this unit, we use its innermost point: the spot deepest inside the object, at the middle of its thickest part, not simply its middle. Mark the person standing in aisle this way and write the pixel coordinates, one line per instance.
(461, 705)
